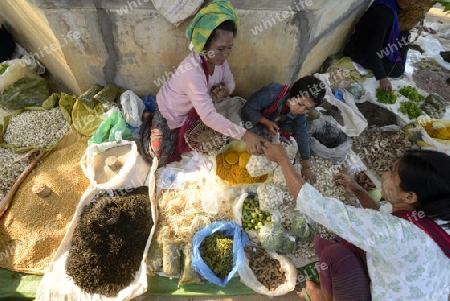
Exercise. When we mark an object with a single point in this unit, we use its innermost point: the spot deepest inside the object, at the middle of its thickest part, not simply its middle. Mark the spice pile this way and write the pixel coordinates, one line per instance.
(39, 129)
(267, 270)
(216, 251)
(12, 165)
(34, 226)
(109, 240)
(230, 167)
(379, 149)
(106, 169)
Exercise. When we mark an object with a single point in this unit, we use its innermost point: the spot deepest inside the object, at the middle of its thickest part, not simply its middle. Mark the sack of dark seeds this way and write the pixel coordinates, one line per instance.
(102, 256)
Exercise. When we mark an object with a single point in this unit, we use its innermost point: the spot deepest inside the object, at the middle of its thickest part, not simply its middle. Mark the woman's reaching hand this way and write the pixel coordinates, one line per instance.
(254, 143)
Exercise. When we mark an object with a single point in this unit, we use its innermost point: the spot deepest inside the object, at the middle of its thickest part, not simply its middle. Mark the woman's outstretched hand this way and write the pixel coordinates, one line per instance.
(275, 152)
(346, 182)
(254, 143)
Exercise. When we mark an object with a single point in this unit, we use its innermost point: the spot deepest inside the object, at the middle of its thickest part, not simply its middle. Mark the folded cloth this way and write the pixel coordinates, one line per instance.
(207, 19)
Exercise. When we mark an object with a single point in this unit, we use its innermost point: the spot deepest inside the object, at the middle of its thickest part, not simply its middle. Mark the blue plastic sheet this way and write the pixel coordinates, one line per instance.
(240, 240)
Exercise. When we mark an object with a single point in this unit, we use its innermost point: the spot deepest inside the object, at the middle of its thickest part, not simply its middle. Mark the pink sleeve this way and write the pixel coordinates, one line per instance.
(197, 91)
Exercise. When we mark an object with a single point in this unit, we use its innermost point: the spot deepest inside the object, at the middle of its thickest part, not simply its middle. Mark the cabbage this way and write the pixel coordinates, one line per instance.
(288, 245)
(302, 227)
(272, 236)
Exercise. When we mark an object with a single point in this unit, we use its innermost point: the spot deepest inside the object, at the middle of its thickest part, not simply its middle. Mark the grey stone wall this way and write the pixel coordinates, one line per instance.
(97, 41)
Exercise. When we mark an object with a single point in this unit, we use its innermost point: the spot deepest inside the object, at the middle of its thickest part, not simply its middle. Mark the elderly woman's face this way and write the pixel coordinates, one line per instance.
(390, 186)
(220, 47)
(405, 3)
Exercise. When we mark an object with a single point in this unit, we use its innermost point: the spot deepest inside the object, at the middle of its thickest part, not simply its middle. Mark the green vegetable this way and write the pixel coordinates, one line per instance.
(216, 251)
(26, 92)
(272, 236)
(411, 93)
(302, 228)
(445, 4)
(288, 245)
(411, 109)
(386, 97)
(252, 216)
(375, 194)
(3, 68)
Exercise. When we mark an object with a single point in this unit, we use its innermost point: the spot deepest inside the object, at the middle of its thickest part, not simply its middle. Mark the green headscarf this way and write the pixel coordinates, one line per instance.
(207, 19)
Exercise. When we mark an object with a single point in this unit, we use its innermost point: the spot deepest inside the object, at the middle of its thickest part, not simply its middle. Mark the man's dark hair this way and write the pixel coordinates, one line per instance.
(309, 86)
(427, 174)
(227, 25)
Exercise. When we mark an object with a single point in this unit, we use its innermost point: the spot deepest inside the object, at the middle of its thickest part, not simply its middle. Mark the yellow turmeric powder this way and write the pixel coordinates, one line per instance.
(234, 173)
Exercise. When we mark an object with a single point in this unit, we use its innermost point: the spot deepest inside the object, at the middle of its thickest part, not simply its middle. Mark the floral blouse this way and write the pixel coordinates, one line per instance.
(404, 263)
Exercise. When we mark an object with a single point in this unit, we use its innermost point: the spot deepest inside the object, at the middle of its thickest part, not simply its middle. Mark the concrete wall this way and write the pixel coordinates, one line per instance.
(94, 41)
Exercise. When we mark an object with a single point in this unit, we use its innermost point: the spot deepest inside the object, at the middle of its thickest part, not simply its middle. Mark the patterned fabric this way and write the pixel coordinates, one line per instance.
(394, 37)
(431, 228)
(404, 263)
(160, 141)
(207, 19)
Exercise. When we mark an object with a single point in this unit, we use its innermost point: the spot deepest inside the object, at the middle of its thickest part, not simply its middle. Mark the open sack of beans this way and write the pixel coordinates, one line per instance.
(114, 165)
(41, 206)
(37, 127)
(103, 255)
(218, 251)
(267, 273)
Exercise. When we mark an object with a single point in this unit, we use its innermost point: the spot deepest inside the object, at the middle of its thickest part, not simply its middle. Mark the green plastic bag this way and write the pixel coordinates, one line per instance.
(110, 129)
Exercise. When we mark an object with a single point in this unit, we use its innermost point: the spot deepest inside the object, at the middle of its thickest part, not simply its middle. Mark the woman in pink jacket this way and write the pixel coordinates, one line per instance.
(185, 97)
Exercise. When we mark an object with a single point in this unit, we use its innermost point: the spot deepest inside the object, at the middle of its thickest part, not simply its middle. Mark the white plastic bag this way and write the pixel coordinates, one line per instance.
(437, 144)
(132, 174)
(176, 11)
(132, 108)
(17, 69)
(56, 285)
(250, 280)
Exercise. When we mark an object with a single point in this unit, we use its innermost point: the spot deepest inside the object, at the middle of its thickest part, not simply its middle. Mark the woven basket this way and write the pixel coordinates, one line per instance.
(203, 139)
(413, 14)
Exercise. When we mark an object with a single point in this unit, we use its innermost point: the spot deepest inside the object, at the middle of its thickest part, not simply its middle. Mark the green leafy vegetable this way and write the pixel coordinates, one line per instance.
(445, 4)
(386, 97)
(3, 68)
(301, 228)
(411, 93)
(411, 109)
(272, 236)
